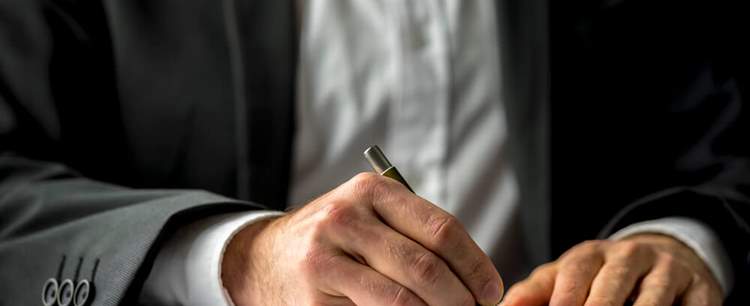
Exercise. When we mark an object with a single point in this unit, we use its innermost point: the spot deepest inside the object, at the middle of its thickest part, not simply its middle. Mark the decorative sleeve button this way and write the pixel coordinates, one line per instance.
(65, 294)
(49, 292)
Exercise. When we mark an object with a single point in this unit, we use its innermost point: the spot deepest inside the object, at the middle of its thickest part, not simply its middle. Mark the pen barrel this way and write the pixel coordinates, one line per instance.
(393, 173)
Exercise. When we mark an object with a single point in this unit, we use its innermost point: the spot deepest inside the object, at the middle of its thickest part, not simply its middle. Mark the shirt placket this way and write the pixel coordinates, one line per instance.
(419, 127)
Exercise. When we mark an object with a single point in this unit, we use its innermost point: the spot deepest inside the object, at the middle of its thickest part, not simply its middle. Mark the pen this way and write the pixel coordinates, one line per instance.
(382, 166)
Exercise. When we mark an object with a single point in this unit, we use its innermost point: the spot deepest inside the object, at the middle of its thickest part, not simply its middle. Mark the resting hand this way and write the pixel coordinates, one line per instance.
(649, 269)
(368, 242)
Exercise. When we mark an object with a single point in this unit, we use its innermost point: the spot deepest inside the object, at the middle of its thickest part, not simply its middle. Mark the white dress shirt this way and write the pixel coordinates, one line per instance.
(421, 79)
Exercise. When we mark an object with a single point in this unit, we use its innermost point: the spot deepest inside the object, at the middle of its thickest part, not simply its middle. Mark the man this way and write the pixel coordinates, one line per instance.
(217, 85)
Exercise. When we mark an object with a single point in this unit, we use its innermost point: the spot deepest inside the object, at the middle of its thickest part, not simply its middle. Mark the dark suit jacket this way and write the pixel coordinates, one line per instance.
(103, 101)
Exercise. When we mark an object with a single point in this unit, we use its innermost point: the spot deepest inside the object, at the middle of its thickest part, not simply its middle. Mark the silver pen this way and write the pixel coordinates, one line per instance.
(382, 166)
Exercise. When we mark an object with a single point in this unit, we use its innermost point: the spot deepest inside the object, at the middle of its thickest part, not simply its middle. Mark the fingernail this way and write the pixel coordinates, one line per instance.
(491, 292)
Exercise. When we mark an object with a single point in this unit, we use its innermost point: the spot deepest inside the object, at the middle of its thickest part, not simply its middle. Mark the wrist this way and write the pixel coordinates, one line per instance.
(244, 263)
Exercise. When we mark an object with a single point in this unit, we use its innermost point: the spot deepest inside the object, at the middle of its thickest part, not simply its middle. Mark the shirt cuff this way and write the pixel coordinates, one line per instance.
(187, 269)
(696, 235)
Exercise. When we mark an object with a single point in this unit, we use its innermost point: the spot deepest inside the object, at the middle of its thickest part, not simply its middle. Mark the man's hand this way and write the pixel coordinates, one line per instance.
(368, 242)
(649, 269)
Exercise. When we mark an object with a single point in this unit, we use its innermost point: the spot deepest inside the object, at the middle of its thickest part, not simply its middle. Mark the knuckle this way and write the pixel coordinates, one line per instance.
(628, 250)
(544, 269)
(583, 266)
(586, 248)
(338, 215)
(590, 245)
(478, 272)
(669, 260)
(367, 183)
(364, 177)
(443, 230)
(427, 268)
(581, 262)
(316, 233)
(543, 273)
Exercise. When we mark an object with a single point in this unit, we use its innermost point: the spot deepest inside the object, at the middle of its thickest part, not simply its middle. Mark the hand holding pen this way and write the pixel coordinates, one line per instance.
(370, 241)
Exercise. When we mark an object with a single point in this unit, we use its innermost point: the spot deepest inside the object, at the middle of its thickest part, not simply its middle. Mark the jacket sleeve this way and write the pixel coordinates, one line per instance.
(56, 219)
(723, 200)
(59, 225)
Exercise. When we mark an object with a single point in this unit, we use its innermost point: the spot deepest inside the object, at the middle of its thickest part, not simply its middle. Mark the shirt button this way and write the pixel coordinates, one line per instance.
(49, 292)
(83, 293)
(65, 294)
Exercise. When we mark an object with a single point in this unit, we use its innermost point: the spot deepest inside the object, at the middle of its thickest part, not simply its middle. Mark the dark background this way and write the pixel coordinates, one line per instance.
(632, 86)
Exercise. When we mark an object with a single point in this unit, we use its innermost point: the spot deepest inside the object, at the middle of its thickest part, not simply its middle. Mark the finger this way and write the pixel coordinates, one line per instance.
(366, 287)
(701, 293)
(535, 290)
(437, 231)
(662, 285)
(411, 265)
(576, 273)
(625, 263)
